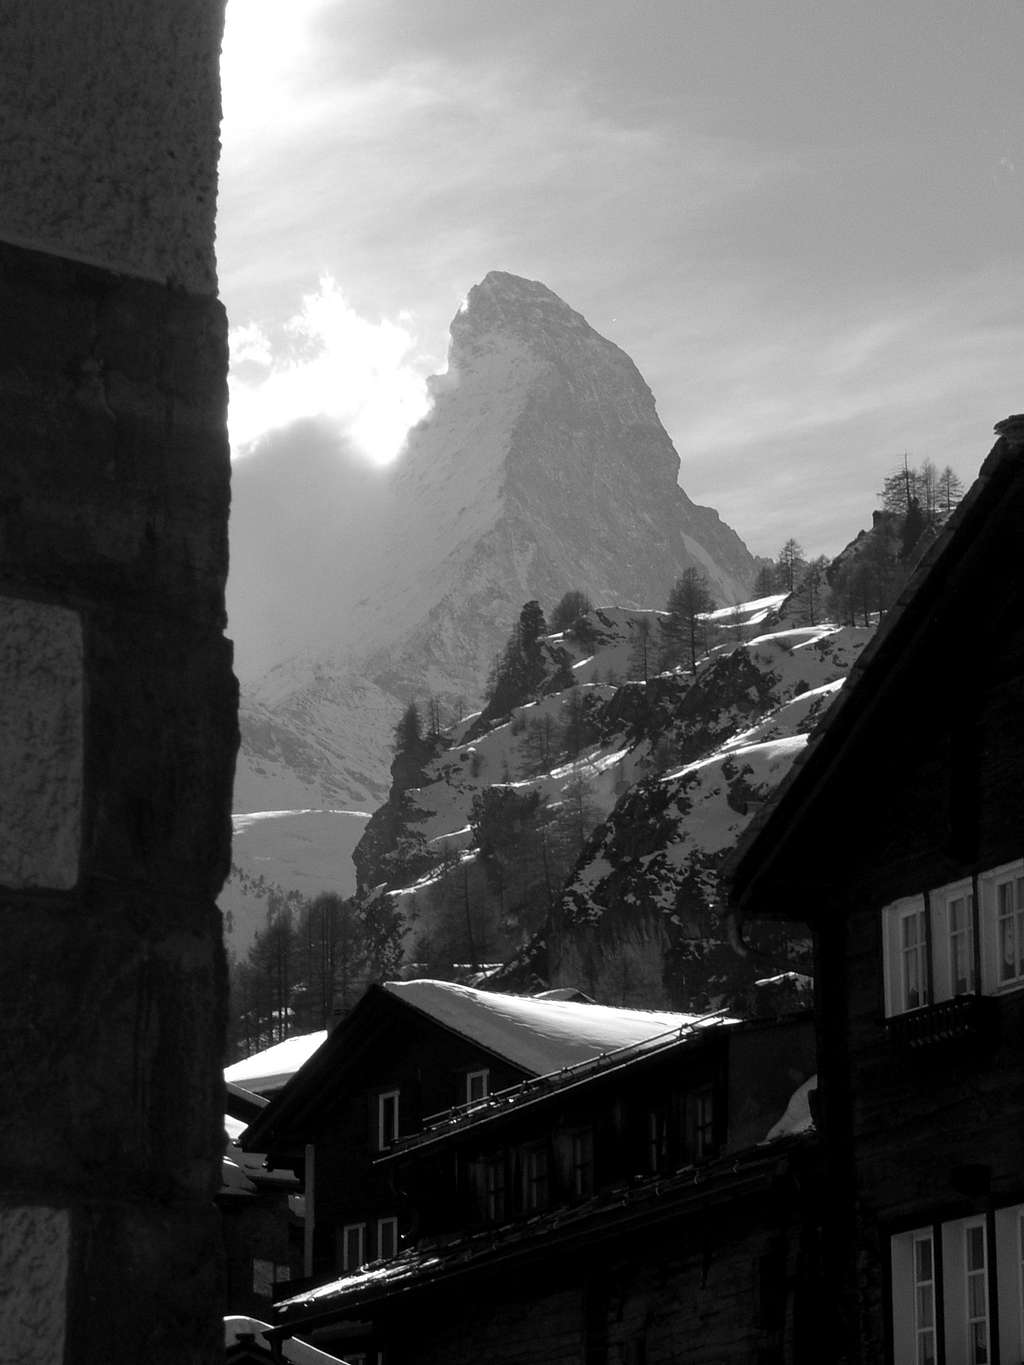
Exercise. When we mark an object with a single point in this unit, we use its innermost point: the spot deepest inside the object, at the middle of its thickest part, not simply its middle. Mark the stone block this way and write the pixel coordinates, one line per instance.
(41, 744)
(33, 1284)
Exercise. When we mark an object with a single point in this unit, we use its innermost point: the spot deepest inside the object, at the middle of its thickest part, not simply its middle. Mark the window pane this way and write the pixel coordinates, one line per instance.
(975, 1248)
(923, 1259)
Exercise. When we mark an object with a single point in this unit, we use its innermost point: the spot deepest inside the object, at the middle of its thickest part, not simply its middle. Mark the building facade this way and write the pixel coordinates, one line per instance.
(899, 839)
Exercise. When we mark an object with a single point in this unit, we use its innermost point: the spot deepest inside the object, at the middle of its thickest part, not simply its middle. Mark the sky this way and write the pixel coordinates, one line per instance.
(802, 219)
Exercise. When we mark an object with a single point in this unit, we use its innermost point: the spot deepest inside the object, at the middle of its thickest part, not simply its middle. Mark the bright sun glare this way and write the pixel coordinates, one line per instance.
(327, 362)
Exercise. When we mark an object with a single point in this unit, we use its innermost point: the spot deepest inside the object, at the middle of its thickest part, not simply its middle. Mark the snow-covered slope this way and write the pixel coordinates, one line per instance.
(668, 775)
(541, 467)
(282, 856)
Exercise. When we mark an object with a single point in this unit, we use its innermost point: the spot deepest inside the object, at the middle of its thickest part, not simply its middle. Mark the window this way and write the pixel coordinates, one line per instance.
(477, 1086)
(387, 1238)
(960, 940)
(1009, 906)
(353, 1246)
(702, 1106)
(657, 1138)
(494, 1188)
(581, 1174)
(942, 1281)
(944, 945)
(534, 1178)
(387, 1119)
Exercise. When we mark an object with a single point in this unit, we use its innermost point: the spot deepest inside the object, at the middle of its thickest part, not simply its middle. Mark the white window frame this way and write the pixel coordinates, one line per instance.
(479, 1080)
(1009, 874)
(357, 1233)
(957, 1275)
(943, 902)
(894, 917)
(388, 1127)
(951, 1240)
(387, 1227)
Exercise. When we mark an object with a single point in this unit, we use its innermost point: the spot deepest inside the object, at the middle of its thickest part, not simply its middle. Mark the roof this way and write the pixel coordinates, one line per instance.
(269, 1071)
(239, 1331)
(534, 1036)
(538, 1035)
(539, 1088)
(762, 844)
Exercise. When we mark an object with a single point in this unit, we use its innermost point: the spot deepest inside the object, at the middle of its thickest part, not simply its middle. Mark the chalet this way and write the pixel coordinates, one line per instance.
(261, 1207)
(644, 1206)
(899, 838)
(409, 1051)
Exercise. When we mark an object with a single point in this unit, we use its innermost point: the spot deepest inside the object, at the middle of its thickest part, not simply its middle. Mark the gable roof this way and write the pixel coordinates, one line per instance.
(536, 1035)
(773, 830)
(266, 1072)
(533, 1036)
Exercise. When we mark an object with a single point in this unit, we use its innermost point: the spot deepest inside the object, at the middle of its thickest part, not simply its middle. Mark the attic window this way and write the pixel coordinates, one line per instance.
(477, 1086)
(387, 1119)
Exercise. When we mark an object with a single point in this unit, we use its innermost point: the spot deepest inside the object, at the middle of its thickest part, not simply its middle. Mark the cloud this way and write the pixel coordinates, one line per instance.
(327, 362)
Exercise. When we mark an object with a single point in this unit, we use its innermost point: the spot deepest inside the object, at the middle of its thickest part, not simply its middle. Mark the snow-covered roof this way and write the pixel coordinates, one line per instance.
(538, 1035)
(270, 1070)
(293, 1350)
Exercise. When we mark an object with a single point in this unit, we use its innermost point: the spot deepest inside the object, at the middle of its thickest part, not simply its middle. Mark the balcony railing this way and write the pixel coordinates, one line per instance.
(965, 1016)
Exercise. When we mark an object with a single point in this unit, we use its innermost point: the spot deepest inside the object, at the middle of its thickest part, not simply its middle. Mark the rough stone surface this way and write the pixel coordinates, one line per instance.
(33, 1284)
(108, 134)
(114, 490)
(41, 746)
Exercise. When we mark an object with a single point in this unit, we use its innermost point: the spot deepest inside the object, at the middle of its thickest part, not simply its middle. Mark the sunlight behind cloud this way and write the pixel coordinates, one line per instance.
(327, 361)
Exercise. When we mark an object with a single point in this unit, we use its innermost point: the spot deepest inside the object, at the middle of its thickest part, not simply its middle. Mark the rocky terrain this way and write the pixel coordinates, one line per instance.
(632, 816)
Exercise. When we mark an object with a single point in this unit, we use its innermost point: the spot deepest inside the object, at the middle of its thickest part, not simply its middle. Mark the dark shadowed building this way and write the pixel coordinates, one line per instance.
(654, 1204)
(899, 838)
(409, 1051)
(117, 701)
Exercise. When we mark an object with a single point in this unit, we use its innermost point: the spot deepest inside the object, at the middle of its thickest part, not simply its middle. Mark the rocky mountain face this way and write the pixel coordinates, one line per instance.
(579, 840)
(542, 466)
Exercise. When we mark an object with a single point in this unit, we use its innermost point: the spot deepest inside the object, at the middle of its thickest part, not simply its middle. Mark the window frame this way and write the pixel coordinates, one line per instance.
(581, 1163)
(389, 1220)
(1001, 1276)
(942, 900)
(385, 1141)
(483, 1073)
(346, 1260)
(534, 1177)
(989, 884)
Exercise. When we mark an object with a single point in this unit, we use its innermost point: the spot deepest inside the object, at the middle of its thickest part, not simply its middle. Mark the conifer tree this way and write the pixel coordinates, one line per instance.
(574, 604)
(683, 627)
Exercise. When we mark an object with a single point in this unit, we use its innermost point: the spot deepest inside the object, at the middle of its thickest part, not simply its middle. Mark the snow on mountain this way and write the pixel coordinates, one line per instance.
(542, 466)
(284, 856)
(671, 772)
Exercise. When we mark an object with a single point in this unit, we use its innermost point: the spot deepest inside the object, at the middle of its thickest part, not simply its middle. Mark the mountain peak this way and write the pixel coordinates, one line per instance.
(508, 304)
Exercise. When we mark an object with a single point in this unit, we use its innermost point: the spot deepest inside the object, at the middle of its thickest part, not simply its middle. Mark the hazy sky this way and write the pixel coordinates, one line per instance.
(801, 218)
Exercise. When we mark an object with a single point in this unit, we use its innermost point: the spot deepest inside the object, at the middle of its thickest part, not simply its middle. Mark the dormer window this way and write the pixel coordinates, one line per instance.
(477, 1086)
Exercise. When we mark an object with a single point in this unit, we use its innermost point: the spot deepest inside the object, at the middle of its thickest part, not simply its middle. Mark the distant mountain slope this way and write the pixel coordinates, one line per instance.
(640, 815)
(542, 466)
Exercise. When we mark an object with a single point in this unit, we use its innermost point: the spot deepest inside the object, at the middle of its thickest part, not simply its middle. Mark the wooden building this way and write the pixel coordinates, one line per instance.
(899, 837)
(408, 1052)
(626, 1209)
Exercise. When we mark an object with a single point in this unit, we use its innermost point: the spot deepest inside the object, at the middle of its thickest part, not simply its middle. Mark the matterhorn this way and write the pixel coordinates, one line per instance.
(541, 467)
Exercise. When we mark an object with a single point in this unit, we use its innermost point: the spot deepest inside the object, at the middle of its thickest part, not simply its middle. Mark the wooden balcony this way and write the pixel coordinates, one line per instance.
(965, 1016)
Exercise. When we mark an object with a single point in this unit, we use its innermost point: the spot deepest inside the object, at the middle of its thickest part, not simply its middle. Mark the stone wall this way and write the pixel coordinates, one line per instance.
(117, 701)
